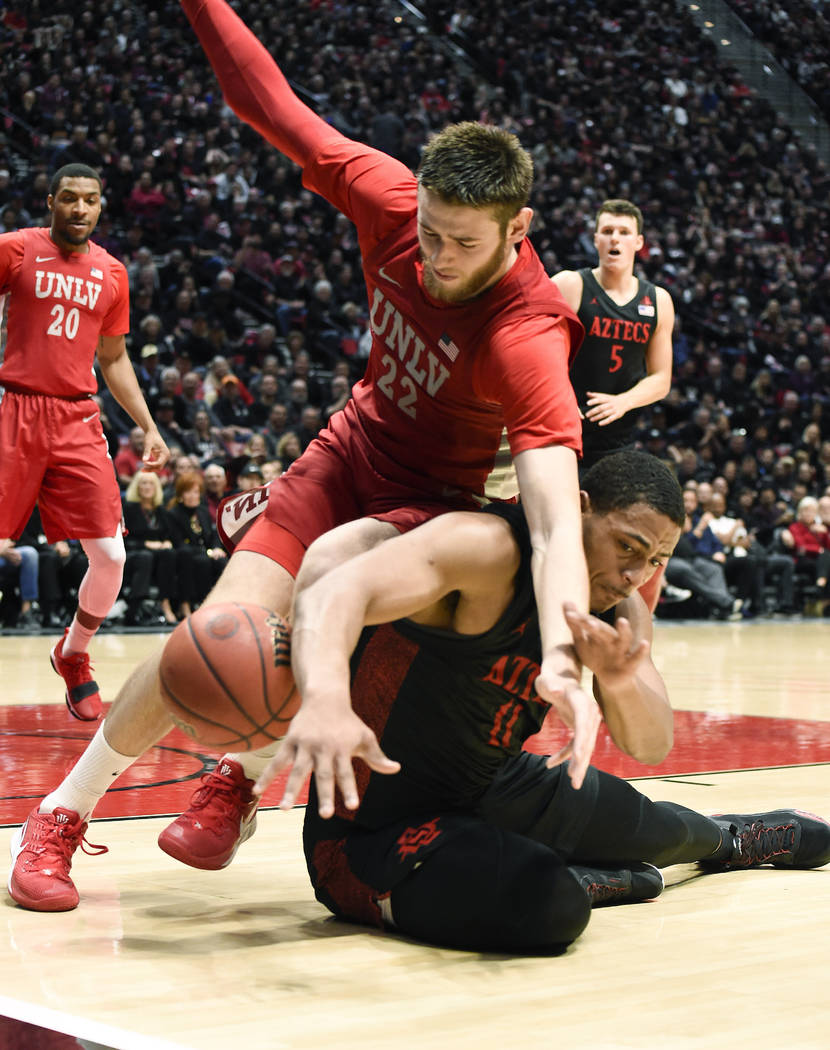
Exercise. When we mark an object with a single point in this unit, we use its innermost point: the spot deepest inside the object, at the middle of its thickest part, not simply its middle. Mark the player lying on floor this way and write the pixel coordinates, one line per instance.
(475, 843)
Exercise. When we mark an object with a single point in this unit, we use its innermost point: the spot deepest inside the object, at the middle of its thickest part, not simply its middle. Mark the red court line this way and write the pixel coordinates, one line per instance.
(39, 743)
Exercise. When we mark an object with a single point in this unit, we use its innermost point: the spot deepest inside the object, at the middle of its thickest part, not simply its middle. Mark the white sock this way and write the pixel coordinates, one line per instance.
(254, 762)
(89, 779)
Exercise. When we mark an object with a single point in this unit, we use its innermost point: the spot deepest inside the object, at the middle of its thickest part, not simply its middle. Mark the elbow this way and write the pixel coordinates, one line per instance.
(652, 751)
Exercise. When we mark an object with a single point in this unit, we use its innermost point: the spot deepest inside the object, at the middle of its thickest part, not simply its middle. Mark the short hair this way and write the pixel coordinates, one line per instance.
(190, 479)
(621, 207)
(620, 480)
(131, 495)
(480, 166)
(74, 171)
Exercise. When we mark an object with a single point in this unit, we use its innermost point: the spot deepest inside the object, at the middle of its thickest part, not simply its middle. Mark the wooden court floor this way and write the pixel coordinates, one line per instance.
(165, 957)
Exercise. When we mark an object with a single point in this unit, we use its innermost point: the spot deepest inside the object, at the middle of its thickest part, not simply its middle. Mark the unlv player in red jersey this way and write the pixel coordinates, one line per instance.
(625, 361)
(469, 337)
(66, 299)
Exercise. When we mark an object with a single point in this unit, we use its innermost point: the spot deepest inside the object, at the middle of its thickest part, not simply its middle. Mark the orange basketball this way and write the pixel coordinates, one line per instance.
(226, 677)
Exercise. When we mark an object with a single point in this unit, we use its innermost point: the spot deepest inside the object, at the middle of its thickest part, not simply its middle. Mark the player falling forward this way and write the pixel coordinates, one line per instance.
(469, 336)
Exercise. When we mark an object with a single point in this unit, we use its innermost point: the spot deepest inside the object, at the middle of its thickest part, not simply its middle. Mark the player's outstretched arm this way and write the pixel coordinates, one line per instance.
(629, 688)
(550, 496)
(253, 84)
(466, 553)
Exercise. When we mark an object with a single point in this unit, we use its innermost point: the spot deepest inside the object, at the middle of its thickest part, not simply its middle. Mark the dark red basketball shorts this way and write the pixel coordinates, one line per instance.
(53, 452)
(340, 478)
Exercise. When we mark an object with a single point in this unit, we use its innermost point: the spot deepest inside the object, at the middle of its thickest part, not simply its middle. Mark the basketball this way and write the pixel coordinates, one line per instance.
(226, 677)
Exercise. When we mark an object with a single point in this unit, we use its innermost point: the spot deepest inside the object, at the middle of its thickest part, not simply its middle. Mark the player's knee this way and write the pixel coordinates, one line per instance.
(556, 908)
(492, 891)
(339, 545)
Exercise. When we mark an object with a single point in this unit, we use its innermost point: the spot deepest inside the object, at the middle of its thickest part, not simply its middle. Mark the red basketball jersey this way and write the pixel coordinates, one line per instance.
(57, 304)
(444, 379)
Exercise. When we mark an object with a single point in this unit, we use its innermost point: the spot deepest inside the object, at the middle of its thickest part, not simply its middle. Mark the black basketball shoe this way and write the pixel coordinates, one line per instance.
(639, 882)
(784, 838)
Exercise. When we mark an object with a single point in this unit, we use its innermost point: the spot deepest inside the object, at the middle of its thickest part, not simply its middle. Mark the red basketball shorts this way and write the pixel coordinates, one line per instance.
(339, 478)
(53, 452)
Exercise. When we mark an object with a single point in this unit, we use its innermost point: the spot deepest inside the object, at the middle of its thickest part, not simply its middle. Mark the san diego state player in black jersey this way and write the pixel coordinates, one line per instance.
(625, 361)
(473, 842)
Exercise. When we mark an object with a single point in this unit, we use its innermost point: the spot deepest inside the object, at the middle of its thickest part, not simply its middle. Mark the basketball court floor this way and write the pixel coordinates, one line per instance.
(161, 956)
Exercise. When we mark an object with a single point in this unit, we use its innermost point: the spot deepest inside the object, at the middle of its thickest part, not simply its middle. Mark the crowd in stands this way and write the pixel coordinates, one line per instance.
(249, 317)
(797, 33)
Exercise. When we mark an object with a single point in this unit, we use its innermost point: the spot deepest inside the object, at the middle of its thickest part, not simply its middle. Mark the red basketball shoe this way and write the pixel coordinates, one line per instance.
(83, 697)
(42, 852)
(222, 815)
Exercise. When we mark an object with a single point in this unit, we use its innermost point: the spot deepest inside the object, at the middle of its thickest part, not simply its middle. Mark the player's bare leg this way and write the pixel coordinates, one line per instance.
(222, 812)
(42, 851)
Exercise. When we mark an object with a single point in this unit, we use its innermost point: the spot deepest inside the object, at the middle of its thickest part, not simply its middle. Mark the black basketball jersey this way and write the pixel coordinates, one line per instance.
(612, 357)
(450, 708)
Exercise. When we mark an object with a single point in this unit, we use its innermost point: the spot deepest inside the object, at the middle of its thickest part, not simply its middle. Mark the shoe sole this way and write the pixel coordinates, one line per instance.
(15, 849)
(175, 850)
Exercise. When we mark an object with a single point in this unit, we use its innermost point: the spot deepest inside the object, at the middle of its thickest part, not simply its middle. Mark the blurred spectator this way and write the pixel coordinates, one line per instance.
(808, 539)
(745, 562)
(216, 487)
(150, 555)
(204, 439)
(230, 408)
(128, 459)
(19, 571)
(697, 563)
(288, 449)
(200, 557)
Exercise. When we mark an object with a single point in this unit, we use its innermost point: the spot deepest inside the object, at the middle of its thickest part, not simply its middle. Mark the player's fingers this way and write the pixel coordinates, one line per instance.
(562, 755)
(624, 632)
(586, 727)
(324, 781)
(295, 781)
(344, 775)
(375, 759)
(283, 757)
(576, 619)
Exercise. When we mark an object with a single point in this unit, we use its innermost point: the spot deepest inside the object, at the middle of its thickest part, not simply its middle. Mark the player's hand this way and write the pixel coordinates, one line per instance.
(607, 650)
(604, 408)
(323, 743)
(579, 711)
(156, 452)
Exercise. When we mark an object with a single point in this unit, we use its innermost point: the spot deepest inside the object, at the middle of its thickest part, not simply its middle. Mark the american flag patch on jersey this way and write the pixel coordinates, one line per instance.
(95, 272)
(448, 346)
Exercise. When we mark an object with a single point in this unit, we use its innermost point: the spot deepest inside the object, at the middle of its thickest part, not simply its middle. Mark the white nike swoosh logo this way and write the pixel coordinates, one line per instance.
(45, 258)
(382, 273)
(86, 419)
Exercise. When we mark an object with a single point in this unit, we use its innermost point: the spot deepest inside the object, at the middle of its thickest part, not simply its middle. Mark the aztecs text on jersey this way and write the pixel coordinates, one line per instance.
(449, 708)
(612, 357)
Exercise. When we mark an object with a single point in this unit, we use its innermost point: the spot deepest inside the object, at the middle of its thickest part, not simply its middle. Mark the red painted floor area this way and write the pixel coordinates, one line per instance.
(40, 742)
(709, 742)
